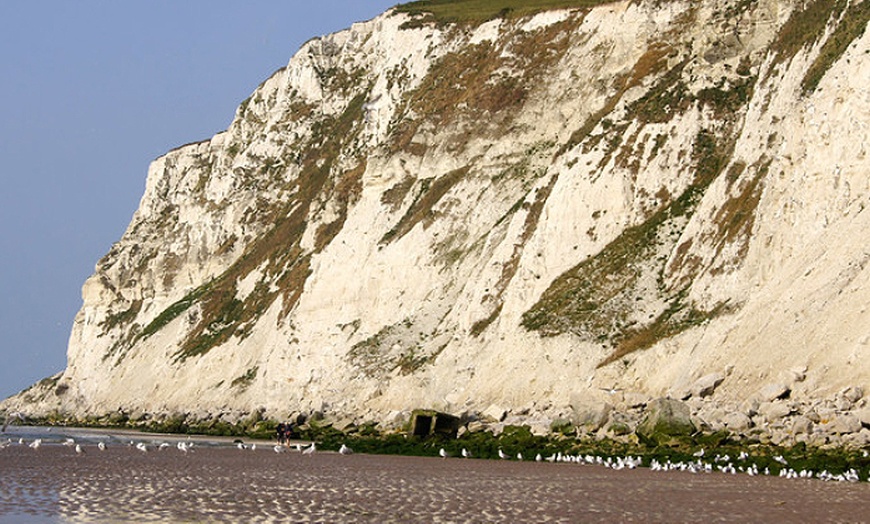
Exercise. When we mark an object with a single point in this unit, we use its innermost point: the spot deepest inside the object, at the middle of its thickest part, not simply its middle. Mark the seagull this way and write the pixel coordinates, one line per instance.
(182, 446)
(79, 449)
(35, 444)
(466, 453)
(240, 445)
(12, 417)
(102, 446)
(69, 442)
(443, 453)
(502, 455)
(538, 457)
(310, 449)
(698, 454)
(253, 447)
(142, 447)
(344, 450)
(519, 456)
(278, 448)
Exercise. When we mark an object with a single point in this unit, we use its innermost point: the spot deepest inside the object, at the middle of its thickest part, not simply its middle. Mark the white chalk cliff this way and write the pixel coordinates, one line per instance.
(516, 213)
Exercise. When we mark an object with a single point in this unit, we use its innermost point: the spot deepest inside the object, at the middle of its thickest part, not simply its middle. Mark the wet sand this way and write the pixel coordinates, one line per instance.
(225, 484)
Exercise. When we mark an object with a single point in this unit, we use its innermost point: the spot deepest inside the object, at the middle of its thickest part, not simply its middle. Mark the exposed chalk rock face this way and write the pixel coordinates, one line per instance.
(621, 201)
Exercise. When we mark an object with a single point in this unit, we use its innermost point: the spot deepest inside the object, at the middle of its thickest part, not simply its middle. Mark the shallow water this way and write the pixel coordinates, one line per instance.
(219, 483)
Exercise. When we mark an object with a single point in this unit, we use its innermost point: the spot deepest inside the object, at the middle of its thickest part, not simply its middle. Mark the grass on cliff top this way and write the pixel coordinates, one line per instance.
(446, 11)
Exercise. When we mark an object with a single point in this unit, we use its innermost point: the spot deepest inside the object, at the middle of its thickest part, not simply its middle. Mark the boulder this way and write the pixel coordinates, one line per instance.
(665, 420)
(345, 425)
(713, 417)
(591, 415)
(861, 439)
(395, 419)
(844, 424)
(795, 374)
(539, 426)
(773, 392)
(633, 399)
(852, 394)
(802, 425)
(843, 404)
(476, 426)
(737, 421)
(706, 385)
(619, 428)
(773, 411)
(562, 426)
(494, 413)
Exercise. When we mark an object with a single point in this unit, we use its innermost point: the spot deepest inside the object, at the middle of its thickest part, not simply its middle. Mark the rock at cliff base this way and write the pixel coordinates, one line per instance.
(665, 420)
(706, 385)
(772, 392)
(591, 415)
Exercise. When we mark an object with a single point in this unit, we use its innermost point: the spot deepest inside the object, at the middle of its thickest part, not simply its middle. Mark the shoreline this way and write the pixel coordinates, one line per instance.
(698, 453)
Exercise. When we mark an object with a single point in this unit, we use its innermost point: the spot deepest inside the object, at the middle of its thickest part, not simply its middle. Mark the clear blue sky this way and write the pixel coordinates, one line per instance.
(91, 92)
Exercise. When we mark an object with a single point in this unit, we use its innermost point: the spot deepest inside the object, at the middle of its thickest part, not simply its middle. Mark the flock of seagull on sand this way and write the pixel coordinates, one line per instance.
(183, 446)
(719, 463)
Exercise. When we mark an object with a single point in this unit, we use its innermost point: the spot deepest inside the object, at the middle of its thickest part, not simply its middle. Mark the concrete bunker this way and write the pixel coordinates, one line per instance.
(426, 423)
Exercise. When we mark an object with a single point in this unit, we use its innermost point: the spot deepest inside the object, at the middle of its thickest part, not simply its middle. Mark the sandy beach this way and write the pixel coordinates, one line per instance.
(219, 483)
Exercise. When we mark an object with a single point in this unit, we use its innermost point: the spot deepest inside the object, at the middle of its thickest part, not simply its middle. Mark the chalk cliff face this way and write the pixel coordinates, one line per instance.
(516, 213)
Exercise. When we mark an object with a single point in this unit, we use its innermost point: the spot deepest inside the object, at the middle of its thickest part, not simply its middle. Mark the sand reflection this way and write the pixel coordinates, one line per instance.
(224, 484)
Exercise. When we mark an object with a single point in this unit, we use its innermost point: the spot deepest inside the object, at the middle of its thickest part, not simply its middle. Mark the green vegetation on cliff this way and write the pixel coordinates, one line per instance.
(446, 11)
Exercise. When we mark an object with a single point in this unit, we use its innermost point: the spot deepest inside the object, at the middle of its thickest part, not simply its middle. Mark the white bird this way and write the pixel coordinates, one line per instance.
(466, 453)
(182, 446)
(35, 444)
(502, 455)
(519, 456)
(240, 445)
(278, 448)
(142, 447)
(253, 447)
(344, 450)
(612, 390)
(102, 446)
(69, 442)
(698, 454)
(163, 445)
(538, 457)
(310, 449)
(79, 449)
(443, 453)
(12, 417)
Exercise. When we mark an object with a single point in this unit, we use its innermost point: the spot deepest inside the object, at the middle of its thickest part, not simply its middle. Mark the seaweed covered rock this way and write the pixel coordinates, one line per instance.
(666, 419)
